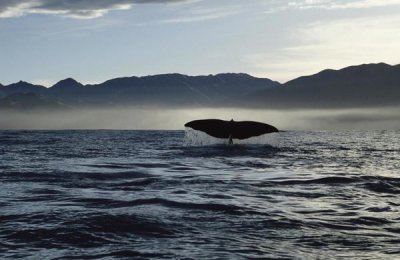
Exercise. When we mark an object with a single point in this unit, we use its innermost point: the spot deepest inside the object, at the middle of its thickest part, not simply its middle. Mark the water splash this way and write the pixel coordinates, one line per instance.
(198, 138)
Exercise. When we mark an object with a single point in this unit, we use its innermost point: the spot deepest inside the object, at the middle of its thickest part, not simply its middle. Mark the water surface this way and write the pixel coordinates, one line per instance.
(147, 194)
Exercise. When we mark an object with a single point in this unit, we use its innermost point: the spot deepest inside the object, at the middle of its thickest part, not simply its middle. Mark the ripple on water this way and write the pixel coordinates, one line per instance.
(150, 194)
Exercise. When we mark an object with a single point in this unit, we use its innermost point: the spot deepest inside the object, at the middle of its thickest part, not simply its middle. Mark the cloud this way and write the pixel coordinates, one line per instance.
(200, 13)
(344, 4)
(273, 6)
(79, 9)
(331, 44)
(87, 9)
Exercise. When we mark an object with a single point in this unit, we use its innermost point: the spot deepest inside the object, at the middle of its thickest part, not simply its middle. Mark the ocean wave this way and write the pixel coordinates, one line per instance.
(113, 194)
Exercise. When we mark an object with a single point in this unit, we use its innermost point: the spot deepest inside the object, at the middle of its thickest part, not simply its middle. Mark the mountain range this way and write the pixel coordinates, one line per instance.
(366, 85)
(174, 90)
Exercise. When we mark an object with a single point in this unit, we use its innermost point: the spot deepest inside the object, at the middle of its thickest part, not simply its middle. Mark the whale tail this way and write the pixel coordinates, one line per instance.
(231, 129)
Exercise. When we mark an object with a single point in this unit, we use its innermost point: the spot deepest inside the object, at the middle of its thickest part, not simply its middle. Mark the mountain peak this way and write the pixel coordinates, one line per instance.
(23, 86)
(233, 74)
(165, 76)
(21, 83)
(68, 80)
(381, 65)
(67, 83)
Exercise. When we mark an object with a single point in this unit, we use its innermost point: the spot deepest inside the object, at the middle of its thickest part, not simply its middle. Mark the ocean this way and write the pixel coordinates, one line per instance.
(174, 194)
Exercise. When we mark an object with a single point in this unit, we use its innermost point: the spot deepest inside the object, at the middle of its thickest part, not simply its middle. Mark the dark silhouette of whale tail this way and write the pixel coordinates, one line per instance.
(231, 129)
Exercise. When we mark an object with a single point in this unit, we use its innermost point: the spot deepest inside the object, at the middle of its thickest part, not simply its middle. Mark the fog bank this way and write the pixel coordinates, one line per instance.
(174, 119)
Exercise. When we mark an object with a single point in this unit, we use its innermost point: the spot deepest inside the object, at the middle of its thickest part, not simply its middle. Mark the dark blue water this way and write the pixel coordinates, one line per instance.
(144, 194)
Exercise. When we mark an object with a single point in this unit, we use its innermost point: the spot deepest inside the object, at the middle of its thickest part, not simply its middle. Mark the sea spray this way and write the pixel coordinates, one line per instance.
(198, 138)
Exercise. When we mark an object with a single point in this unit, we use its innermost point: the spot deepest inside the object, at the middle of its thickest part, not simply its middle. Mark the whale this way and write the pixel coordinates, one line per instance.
(231, 129)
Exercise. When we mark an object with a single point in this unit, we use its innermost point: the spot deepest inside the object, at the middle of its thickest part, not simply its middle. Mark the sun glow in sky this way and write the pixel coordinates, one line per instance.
(43, 41)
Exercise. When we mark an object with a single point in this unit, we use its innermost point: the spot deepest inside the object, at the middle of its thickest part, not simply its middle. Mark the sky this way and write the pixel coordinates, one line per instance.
(44, 41)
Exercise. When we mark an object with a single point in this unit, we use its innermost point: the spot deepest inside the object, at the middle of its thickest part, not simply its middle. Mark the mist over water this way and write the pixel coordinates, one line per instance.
(174, 119)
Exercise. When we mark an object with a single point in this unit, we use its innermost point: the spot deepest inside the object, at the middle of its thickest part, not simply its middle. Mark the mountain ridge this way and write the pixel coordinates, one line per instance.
(21, 87)
(30, 101)
(66, 83)
(374, 84)
(172, 89)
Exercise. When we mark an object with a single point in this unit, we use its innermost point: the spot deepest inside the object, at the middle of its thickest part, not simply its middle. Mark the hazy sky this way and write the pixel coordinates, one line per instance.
(43, 41)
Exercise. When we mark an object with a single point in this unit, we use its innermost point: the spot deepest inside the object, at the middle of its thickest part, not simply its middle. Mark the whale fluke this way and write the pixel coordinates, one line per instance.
(231, 129)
